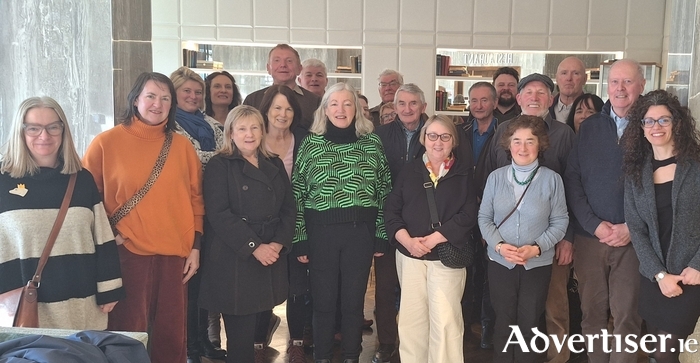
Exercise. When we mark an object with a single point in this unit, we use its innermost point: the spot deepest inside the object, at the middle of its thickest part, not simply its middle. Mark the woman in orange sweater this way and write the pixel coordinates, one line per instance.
(159, 234)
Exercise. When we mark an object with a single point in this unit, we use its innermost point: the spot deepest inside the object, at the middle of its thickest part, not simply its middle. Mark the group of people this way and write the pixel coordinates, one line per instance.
(295, 193)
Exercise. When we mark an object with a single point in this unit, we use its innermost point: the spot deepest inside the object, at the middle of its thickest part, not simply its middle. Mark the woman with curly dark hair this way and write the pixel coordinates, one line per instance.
(222, 95)
(662, 206)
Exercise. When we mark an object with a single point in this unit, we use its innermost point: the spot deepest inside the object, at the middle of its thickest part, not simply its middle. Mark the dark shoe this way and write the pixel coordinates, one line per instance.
(274, 323)
(260, 355)
(194, 359)
(295, 352)
(384, 353)
(486, 337)
(367, 323)
(212, 352)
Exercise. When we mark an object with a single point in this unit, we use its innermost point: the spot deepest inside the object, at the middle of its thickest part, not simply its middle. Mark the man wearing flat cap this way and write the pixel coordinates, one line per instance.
(535, 97)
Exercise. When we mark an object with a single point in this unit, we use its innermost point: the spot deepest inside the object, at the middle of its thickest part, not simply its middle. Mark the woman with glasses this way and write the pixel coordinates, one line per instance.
(662, 209)
(82, 279)
(340, 181)
(222, 95)
(387, 113)
(430, 325)
(522, 216)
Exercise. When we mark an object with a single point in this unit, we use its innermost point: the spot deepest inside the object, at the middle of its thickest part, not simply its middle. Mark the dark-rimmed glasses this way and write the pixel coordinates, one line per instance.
(663, 122)
(53, 129)
(443, 137)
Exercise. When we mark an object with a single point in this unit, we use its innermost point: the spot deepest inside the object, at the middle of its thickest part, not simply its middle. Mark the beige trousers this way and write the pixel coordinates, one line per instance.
(431, 328)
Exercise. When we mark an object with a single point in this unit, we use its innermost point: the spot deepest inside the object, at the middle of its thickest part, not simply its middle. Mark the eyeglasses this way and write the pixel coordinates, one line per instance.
(443, 137)
(388, 116)
(53, 129)
(392, 84)
(663, 122)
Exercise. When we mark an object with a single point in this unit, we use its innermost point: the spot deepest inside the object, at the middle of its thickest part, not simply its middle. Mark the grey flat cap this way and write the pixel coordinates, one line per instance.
(536, 77)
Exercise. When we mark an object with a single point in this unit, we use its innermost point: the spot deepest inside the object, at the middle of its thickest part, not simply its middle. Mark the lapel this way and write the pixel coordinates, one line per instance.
(264, 173)
(649, 200)
(682, 170)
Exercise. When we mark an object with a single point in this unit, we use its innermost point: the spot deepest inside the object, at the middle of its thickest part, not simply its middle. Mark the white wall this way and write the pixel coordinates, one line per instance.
(404, 34)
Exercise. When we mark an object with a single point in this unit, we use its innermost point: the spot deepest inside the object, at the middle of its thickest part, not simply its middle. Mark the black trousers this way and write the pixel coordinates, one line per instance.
(518, 296)
(387, 282)
(240, 338)
(339, 253)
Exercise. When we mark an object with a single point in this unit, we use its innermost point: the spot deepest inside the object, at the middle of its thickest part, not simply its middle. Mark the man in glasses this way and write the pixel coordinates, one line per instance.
(389, 82)
(605, 262)
(401, 144)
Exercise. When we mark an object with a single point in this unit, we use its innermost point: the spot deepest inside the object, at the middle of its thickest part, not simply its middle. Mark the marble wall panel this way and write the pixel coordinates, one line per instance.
(60, 49)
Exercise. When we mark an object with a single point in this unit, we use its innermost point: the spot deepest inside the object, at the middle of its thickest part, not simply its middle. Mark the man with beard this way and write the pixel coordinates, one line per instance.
(506, 81)
(571, 76)
(313, 76)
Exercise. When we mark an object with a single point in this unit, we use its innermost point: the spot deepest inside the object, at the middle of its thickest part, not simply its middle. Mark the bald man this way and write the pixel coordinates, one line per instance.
(571, 77)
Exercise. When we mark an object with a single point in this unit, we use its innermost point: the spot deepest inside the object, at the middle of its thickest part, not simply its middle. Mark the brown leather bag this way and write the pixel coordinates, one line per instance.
(19, 307)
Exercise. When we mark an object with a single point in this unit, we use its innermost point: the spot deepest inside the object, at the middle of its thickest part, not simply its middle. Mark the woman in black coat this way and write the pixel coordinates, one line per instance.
(251, 210)
(430, 325)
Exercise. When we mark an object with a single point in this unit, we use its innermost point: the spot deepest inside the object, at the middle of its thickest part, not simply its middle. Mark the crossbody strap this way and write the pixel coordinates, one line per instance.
(519, 200)
(136, 198)
(36, 280)
(430, 194)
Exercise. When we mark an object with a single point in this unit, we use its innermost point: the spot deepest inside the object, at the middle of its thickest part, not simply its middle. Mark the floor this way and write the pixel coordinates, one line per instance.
(276, 352)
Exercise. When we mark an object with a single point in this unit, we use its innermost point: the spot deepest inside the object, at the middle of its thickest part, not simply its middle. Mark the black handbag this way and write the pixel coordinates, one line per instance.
(450, 255)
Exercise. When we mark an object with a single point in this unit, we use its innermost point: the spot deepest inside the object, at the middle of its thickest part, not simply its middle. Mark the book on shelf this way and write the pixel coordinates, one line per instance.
(343, 69)
(441, 100)
(442, 65)
(356, 63)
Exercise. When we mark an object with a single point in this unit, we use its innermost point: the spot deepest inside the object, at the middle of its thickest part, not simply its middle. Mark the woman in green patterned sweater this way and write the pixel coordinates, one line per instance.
(340, 181)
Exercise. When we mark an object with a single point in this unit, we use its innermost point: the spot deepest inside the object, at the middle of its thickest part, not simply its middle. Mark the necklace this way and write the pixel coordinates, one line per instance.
(528, 180)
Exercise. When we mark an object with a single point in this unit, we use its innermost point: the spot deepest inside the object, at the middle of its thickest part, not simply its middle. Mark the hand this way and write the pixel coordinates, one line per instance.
(191, 265)
(527, 252)
(277, 246)
(266, 254)
(433, 240)
(564, 252)
(106, 308)
(510, 253)
(603, 231)
(303, 259)
(669, 285)
(690, 276)
(619, 237)
(120, 240)
(414, 245)
(378, 254)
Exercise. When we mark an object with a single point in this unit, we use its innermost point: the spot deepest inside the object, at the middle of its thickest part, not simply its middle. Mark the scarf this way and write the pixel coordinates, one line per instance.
(444, 167)
(197, 127)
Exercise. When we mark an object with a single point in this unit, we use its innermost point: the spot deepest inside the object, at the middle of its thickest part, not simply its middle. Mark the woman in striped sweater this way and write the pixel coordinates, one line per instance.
(82, 279)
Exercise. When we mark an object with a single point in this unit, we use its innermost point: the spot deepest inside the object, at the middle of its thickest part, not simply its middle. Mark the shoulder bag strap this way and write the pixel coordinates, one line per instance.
(430, 193)
(519, 200)
(36, 280)
(136, 198)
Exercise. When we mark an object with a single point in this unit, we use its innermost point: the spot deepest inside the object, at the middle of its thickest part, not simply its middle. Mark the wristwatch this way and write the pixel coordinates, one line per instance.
(660, 276)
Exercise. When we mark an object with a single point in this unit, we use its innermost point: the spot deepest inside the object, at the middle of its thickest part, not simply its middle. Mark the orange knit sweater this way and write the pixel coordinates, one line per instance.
(165, 220)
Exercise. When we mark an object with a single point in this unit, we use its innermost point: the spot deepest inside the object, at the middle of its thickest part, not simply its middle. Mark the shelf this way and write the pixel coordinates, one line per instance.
(460, 78)
(264, 73)
(452, 113)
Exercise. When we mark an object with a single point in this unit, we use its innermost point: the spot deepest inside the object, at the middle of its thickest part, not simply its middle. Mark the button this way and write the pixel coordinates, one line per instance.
(245, 187)
(251, 244)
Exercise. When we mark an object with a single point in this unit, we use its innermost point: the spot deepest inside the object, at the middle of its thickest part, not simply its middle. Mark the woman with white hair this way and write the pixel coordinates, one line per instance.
(82, 279)
(340, 181)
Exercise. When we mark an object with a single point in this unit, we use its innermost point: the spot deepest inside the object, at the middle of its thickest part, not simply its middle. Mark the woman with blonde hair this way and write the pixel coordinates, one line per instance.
(340, 180)
(250, 208)
(82, 279)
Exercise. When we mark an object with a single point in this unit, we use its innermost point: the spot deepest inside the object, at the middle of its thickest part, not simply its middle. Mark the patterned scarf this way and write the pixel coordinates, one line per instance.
(444, 167)
(197, 127)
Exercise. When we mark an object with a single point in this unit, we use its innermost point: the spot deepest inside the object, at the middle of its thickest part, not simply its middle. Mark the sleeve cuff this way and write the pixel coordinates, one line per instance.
(300, 248)
(380, 245)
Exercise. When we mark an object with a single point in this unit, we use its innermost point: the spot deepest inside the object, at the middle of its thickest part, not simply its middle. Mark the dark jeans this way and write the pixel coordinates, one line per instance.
(385, 296)
(518, 297)
(339, 253)
(239, 337)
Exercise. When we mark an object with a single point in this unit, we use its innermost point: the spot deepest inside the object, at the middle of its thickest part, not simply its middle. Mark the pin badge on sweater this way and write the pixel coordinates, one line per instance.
(20, 190)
